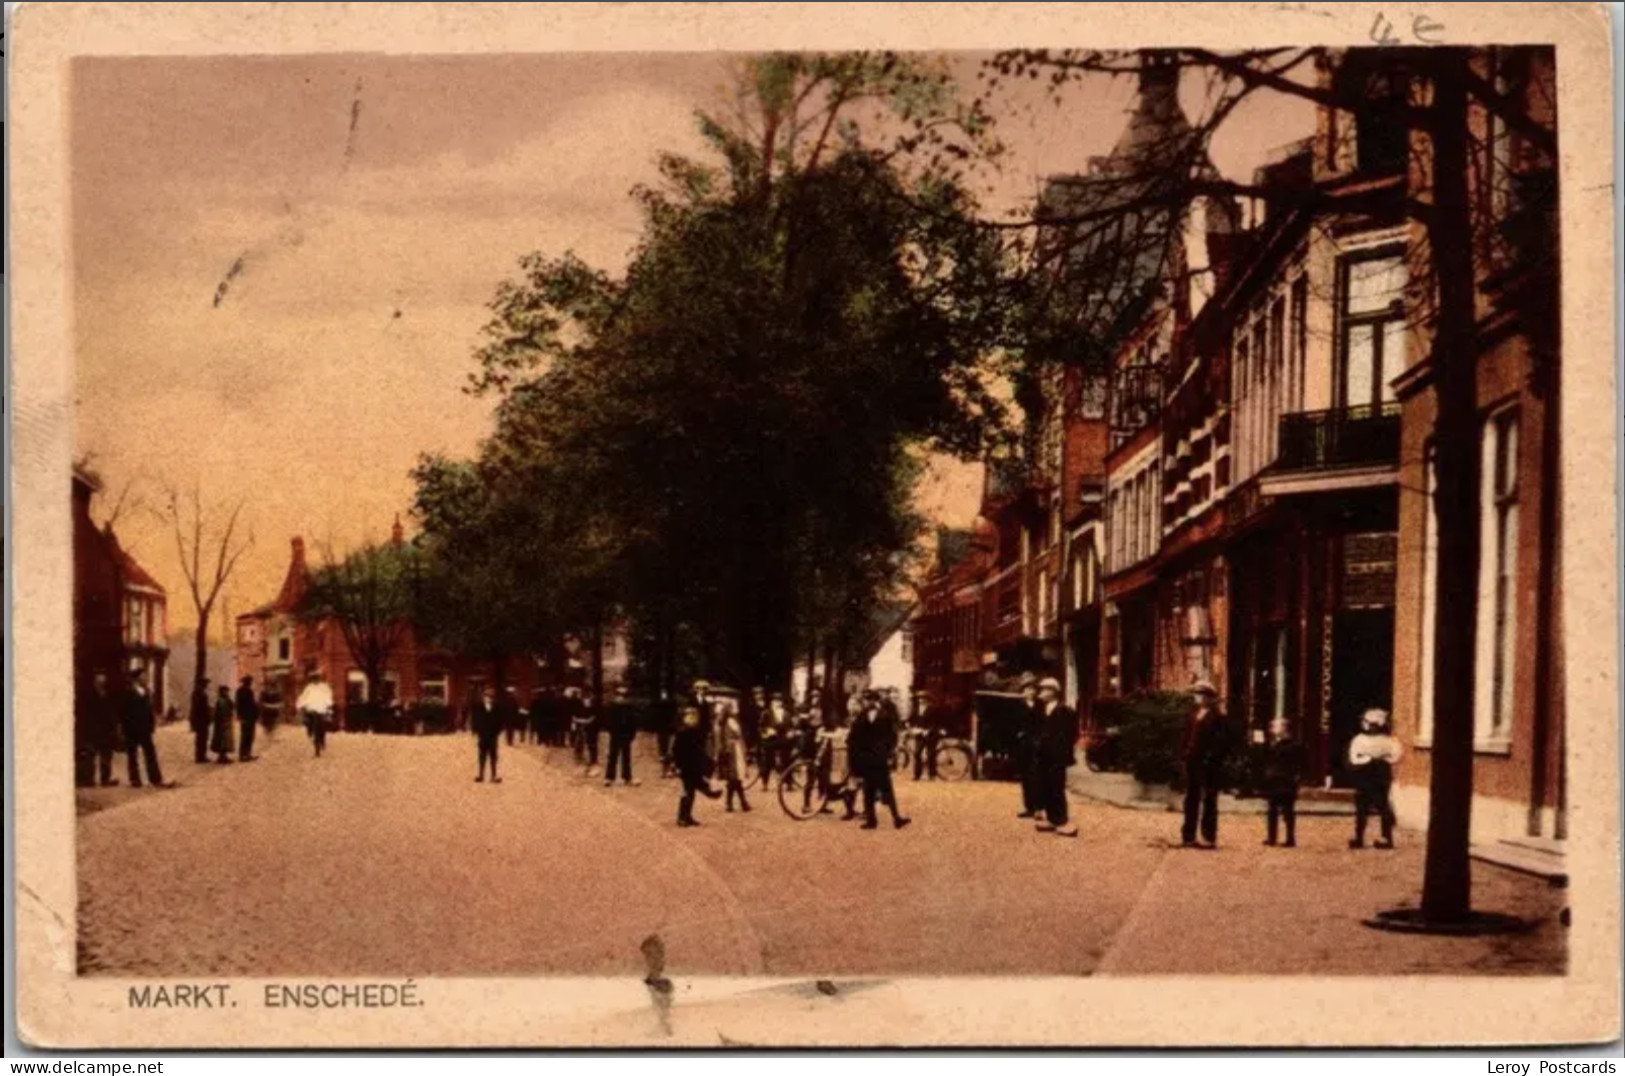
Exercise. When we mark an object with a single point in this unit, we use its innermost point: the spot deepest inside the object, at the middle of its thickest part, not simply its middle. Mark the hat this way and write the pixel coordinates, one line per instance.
(1372, 720)
(1049, 683)
(1204, 687)
(1028, 680)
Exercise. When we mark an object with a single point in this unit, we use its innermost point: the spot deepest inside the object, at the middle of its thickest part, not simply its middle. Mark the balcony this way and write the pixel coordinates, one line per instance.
(1323, 451)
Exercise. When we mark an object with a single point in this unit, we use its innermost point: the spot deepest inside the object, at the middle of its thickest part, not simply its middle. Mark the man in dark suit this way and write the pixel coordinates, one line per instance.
(508, 710)
(137, 719)
(869, 745)
(487, 722)
(1207, 745)
(688, 752)
(623, 730)
(102, 720)
(1054, 755)
(201, 716)
(1025, 755)
(248, 718)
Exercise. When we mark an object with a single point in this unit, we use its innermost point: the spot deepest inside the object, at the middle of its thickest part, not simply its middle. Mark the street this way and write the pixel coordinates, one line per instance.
(385, 858)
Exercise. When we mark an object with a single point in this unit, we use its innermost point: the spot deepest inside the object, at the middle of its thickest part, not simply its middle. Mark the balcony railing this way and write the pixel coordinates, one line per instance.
(1350, 437)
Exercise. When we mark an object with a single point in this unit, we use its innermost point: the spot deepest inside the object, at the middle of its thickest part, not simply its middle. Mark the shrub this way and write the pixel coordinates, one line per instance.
(1150, 741)
(430, 717)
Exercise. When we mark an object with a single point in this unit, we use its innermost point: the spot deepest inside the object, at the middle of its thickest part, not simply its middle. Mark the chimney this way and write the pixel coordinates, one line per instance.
(298, 554)
(396, 535)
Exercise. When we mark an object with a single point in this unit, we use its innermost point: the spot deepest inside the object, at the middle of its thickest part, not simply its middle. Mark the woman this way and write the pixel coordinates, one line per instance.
(731, 754)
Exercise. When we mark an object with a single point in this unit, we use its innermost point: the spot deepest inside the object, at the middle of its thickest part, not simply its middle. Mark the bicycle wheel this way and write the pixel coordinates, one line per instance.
(954, 762)
(799, 792)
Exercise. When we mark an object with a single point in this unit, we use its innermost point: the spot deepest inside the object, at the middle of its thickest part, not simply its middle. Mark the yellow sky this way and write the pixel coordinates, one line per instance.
(336, 355)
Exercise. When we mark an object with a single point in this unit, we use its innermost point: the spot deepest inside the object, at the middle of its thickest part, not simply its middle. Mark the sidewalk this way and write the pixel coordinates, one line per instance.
(1122, 790)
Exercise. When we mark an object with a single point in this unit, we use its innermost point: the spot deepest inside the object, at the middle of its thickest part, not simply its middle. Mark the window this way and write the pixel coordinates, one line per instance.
(1092, 402)
(1372, 317)
(908, 645)
(1239, 392)
(1300, 342)
(1277, 373)
(355, 688)
(1429, 618)
(135, 620)
(392, 689)
(1260, 396)
(435, 688)
(1497, 579)
(284, 648)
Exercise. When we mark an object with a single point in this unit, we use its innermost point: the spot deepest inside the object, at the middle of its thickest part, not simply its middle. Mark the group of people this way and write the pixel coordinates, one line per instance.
(212, 723)
(125, 721)
(1045, 748)
(112, 722)
(1372, 756)
(714, 734)
(713, 737)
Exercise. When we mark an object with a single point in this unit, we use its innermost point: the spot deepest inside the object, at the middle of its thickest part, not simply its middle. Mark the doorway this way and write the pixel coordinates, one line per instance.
(1362, 678)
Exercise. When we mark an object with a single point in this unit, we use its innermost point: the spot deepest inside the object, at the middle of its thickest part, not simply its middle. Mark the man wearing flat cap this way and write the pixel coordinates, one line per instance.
(1057, 742)
(1024, 757)
(1207, 743)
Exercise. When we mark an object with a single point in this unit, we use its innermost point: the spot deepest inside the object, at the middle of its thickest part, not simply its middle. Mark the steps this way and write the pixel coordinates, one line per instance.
(1542, 857)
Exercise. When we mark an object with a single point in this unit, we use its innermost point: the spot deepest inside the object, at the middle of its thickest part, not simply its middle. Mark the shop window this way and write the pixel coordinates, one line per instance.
(1497, 589)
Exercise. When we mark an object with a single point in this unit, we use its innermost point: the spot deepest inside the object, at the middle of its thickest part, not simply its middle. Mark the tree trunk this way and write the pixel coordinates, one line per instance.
(1447, 881)
(200, 670)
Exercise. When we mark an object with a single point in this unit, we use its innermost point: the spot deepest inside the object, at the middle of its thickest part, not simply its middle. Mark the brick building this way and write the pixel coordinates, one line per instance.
(1265, 456)
(120, 612)
(281, 653)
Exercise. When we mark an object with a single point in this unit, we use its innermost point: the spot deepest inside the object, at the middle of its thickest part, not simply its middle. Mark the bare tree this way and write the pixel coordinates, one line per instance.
(208, 552)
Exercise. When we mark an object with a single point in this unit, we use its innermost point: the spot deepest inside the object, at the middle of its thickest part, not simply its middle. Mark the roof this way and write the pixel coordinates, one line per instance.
(132, 574)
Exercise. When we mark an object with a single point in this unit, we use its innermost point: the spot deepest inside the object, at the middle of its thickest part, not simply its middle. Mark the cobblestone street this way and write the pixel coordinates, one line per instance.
(385, 858)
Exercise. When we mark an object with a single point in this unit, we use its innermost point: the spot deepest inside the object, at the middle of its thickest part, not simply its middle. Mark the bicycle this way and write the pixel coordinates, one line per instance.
(954, 758)
(802, 794)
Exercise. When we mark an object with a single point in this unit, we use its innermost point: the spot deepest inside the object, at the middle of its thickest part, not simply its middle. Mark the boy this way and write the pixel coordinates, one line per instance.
(1373, 754)
(1283, 771)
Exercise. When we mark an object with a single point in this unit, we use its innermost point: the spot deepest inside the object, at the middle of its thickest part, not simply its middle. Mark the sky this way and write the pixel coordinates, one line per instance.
(353, 214)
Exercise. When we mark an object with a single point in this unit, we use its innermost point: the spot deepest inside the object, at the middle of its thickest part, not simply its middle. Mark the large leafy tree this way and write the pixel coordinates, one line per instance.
(723, 440)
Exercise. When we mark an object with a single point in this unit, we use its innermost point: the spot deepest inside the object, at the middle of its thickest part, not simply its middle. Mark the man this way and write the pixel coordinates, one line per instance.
(137, 720)
(869, 746)
(248, 717)
(102, 719)
(487, 724)
(508, 711)
(623, 731)
(928, 719)
(1207, 743)
(773, 739)
(539, 701)
(199, 718)
(315, 706)
(1057, 742)
(664, 719)
(689, 756)
(222, 726)
(1025, 756)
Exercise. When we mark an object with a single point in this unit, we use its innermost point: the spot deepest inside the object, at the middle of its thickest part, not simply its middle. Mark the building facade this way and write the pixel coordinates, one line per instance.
(120, 612)
(1261, 474)
(282, 653)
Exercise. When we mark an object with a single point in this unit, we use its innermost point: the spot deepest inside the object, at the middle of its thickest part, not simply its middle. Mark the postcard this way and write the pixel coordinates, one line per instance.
(671, 525)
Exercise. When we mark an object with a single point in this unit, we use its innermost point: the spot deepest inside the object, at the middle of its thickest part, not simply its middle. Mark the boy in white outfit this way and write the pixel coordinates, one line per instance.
(1373, 754)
